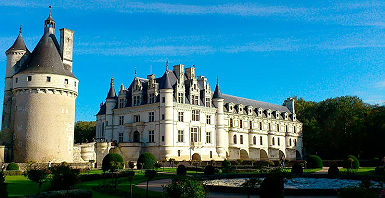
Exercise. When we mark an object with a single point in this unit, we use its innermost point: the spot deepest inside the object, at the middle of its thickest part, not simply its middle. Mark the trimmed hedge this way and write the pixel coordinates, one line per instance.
(111, 162)
(12, 166)
(351, 161)
(146, 160)
(314, 161)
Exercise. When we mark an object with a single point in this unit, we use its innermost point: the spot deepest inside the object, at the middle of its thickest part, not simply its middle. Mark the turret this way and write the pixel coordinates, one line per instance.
(16, 55)
(166, 109)
(221, 137)
(49, 24)
(110, 105)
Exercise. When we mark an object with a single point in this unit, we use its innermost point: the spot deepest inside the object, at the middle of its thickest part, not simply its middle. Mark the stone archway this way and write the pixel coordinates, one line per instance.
(298, 155)
(263, 155)
(243, 155)
(196, 157)
(136, 137)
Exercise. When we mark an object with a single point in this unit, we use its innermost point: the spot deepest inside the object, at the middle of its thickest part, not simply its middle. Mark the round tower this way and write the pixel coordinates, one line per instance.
(44, 92)
(221, 136)
(166, 109)
(16, 56)
(110, 105)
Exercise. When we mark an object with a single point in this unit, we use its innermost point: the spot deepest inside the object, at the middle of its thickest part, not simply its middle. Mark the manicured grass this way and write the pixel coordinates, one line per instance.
(21, 186)
(360, 171)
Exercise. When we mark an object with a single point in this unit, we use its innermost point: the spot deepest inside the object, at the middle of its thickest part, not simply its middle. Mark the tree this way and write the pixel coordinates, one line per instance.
(63, 176)
(37, 175)
(112, 162)
(130, 176)
(146, 161)
(85, 131)
(150, 174)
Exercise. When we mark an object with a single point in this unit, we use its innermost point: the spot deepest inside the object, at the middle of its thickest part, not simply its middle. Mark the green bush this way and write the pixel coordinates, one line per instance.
(111, 162)
(209, 170)
(333, 171)
(272, 186)
(63, 176)
(314, 161)
(37, 175)
(12, 166)
(297, 169)
(146, 160)
(185, 187)
(352, 162)
(181, 170)
(226, 166)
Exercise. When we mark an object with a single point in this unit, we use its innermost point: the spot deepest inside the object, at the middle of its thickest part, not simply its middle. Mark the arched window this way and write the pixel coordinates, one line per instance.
(260, 140)
(272, 141)
(136, 136)
(235, 139)
(254, 140)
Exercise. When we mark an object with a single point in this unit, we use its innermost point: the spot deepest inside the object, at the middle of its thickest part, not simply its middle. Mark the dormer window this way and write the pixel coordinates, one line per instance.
(208, 102)
(180, 97)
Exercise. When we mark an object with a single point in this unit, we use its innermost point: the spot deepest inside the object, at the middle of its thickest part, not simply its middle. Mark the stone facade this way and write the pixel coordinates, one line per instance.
(178, 116)
(39, 99)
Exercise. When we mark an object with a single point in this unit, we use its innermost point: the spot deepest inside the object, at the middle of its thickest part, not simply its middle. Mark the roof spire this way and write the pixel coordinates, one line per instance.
(167, 65)
(50, 9)
(112, 81)
(111, 92)
(217, 80)
(49, 23)
(135, 71)
(21, 28)
(217, 92)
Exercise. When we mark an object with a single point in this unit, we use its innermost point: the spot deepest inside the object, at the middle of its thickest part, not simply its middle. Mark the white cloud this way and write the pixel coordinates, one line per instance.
(380, 84)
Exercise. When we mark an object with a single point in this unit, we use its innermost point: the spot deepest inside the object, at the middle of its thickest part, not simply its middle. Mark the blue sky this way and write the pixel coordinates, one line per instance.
(264, 50)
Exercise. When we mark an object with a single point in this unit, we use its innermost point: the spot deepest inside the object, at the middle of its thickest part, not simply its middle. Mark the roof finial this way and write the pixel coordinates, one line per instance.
(20, 30)
(50, 8)
(167, 65)
(217, 80)
(135, 71)
(112, 81)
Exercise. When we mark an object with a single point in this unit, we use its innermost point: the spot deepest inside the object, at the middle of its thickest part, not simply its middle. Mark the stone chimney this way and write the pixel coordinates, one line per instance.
(190, 72)
(289, 103)
(66, 47)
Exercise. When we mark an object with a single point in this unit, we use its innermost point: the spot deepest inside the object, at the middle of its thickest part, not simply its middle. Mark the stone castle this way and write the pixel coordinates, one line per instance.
(175, 116)
(178, 116)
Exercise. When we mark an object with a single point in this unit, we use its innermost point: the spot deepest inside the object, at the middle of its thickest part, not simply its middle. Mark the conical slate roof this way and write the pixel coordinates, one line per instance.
(165, 82)
(18, 44)
(217, 92)
(46, 58)
(111, 93)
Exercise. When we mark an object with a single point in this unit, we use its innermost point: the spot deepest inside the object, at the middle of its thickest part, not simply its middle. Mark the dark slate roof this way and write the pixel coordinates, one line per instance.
(254, 103)
(18, 44)
(217, 92)
(111, 93)
(102, 110)
(165, 81)
(46, 58)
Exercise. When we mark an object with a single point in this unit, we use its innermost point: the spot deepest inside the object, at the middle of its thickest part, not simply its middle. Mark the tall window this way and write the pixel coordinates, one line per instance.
(269, 127)
(240, 123)
(295, 142)
(279, 143)
(194, 134)
(180, 117)
(178, 153)
(241, 139)
(120, 137)
(180, 97)
(163, 99)
(251, 124)
(151, 98)
(287, 128)
(260, 126)
(278, 127)
(231, 122)
(136, 100)
(208, 137)
(290, 142)
(195, 115)
(235, 139)
(211, 154)
(208, 119)
(121, 120)
(137, 118)
(294, 130)
(151, 116)
(194, 99)
(121, 103)
(254, 140)
(180, 136)
(151, 136)
(208, 102)
(260, 140)
(272, 141)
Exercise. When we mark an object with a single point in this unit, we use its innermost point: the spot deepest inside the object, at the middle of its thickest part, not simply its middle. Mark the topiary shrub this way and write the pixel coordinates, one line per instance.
(209, 170)
(181, 170)
(111, 162)
(333, 171)
(314, 161)
(185, 187)
(63, 176)
(351, 162)
(297, 169)
(226, 166)
(147, 161)
(12, 166)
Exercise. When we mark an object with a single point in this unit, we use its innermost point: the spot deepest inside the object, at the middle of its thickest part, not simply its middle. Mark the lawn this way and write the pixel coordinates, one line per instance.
(360, 171)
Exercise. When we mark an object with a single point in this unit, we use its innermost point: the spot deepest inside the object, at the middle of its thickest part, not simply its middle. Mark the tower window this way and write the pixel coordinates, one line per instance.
(208, 119)
(278, 127)
(208, 137)
(75, 84)
(180, 97)
(254, 140)
(251, 124)
(241, 139)
(208, 102)
(29, 78)
(260, 126)
(279, 141)
(121, 120)
(231, 122)
(235, 139)
(260, 140)
(272, 141)
(180, 136)
(66, 81)
(240, 123)
(48, 78)
(137, 118)
(16, 80)
(180, 117)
